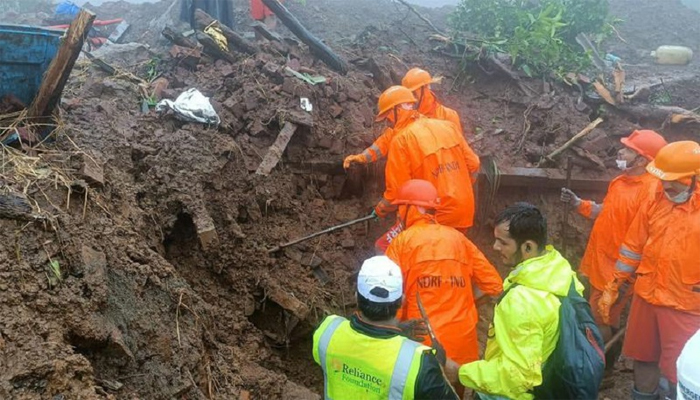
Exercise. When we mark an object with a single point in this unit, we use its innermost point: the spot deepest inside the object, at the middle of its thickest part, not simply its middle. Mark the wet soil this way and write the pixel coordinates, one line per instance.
(166, 286)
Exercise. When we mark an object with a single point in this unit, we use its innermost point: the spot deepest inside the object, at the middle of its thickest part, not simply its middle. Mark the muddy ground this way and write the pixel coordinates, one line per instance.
(166, 286)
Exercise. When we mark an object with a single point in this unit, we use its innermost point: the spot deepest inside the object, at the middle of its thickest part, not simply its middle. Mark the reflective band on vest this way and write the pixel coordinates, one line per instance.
(620, 266)
(403, 365)
(323, 349)
(630, 254)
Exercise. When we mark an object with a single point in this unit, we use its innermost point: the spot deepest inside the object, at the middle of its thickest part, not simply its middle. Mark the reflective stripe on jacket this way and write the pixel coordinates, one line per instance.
(435, 151)
(524, 331)
(625, 196)
(441, 264)
(357, 366)
(662, 247)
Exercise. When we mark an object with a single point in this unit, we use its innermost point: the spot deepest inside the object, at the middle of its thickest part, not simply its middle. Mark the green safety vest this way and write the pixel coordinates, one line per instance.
(357, 366)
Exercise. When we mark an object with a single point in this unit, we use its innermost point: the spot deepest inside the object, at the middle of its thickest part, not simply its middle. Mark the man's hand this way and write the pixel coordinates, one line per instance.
(567, 196)
(352, 159)
(606, 301)
(414, 329)
(440, 353)
(452, 372)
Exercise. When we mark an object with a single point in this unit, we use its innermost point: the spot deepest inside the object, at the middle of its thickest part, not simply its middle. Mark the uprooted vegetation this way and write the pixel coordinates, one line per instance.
(540, 36)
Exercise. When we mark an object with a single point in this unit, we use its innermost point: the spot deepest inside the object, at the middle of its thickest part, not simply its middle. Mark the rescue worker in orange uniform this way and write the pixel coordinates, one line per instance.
(418, 81)
(260, 12)
(613, 217)
(661, 248)
(430, 149)
(440, 264)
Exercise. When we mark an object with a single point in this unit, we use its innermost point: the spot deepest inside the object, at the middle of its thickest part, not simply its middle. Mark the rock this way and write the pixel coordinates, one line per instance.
(348, 243)
(206, 230)
(93, 265)
(354, 94)
(256, 128)
(158, 86)
(286, 301)
(335, 110)
(292, 391)
(227, 70)
(289, 86)
(313, 261)
(325, 142)
(123, 55)
(92, 171)
(188, 58)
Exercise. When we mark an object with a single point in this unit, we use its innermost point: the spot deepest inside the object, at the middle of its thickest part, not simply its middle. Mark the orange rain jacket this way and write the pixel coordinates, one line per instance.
(613, 218)
(661, 246)
(434, 150)
(429, 107)
(440, 263)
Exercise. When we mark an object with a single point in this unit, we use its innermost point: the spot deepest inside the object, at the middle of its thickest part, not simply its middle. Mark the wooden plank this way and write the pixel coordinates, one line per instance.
(238, 42)
(262, 30)
(178, 38)
(213, 49)
(317, 47)
(547, 178)
(274, 153)
(61, 66)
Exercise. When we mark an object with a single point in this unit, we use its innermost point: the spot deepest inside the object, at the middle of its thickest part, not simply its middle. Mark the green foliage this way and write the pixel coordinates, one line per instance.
(540, 35)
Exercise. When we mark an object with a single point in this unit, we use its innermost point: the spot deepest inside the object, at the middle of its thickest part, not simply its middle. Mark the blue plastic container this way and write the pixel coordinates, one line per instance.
(25, 54)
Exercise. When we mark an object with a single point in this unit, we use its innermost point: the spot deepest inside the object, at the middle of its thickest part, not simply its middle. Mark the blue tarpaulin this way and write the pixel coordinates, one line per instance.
(25, 54)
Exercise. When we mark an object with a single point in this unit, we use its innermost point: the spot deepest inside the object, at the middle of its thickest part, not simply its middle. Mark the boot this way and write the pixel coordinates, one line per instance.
(644, 396)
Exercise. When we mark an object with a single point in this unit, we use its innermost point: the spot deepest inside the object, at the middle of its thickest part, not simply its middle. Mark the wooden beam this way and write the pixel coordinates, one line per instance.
(178, 38)
(318, 48)
(213, 49)
(546, 178)
(238, 42)
(61, 66)
(274, 153)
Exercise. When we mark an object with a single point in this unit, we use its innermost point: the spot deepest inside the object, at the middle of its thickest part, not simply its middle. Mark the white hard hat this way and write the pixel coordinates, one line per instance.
(688, 366)
(380, 273)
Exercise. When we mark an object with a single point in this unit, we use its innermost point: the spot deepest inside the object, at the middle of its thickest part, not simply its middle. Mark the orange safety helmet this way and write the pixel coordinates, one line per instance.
(416, 78)
(676, 161)
(391, 98)
(417, 192)
(645, 142)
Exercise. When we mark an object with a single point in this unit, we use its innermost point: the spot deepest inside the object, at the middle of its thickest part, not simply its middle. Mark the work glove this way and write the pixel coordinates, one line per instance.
(381, 210)
(608, 298)
(567, 196)
(414, 329)
(440, 353)
(355, 158)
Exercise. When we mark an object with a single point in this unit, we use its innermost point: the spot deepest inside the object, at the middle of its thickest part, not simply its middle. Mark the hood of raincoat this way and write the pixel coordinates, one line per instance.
(428, 102)
(550, 272)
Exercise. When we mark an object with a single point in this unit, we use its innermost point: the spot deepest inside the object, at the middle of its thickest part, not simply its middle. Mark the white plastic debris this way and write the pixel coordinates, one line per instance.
(306, 104)
(191, 106)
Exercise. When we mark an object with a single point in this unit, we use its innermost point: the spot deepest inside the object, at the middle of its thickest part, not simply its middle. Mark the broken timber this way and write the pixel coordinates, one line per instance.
(546, 178)
(238, 42)
(318, 48)
(588, 129)
(178, 38)
(213, 49)
(274, 153)
(61, 66)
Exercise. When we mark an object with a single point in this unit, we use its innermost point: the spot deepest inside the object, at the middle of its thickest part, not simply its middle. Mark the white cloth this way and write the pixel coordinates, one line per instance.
(191, 106)
(688, 365)
(380, 272)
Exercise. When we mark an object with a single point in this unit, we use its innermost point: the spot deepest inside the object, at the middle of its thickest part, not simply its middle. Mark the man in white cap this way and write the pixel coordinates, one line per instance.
(688, 366)
(367, 357)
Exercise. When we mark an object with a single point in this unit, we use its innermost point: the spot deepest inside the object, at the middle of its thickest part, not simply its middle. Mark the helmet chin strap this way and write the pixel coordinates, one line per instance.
(420, 98)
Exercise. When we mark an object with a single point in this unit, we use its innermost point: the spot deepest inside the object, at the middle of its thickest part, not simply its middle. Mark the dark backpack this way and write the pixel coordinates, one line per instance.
(575, 368)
